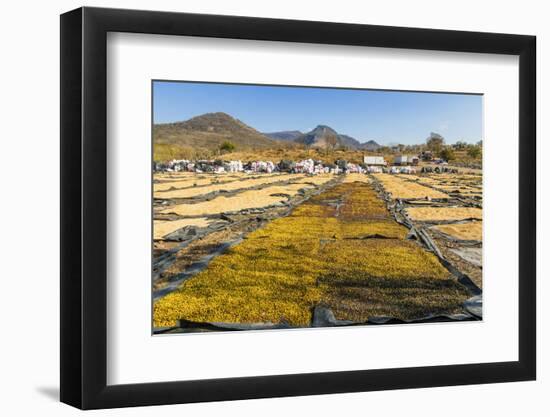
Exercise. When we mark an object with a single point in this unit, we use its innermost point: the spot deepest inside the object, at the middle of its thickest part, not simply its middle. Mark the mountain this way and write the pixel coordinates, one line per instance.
(209, 131)
(323, 136)
(371, 146)
(350, 142)
(289, 135)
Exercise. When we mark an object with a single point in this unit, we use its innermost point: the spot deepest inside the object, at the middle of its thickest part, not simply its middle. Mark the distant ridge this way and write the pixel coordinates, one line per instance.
(350, 142)
(371, 146)
(209, 131)
(289, 135)
(324, 136)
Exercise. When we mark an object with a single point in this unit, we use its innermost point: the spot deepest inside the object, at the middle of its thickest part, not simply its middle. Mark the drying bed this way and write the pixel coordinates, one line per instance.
(189, 182)
(472, 231)
(190, 192)
(340, 250)
(250, 199)
(466, 186)
(400, 188)
(452, 228)
(442, 214)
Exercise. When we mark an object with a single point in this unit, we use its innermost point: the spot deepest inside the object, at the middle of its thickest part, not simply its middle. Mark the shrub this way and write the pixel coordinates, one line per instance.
(227, 147)
(474, 152)
(447, 154)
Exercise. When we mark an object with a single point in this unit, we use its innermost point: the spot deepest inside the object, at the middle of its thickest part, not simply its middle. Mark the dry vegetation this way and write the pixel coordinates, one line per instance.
(201, 137)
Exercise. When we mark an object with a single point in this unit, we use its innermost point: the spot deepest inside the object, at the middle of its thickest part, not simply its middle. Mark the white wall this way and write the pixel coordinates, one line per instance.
(29, 221)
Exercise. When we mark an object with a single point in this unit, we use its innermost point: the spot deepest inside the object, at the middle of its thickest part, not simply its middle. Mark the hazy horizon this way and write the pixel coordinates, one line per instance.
(388, 117)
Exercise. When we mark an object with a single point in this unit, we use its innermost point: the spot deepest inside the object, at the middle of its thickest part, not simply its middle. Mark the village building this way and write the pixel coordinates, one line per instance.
(426, 155)
(374, 160)
(405, 160)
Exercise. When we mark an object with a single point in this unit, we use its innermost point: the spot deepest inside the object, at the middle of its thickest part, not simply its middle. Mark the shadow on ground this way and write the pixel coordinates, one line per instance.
(50, 392)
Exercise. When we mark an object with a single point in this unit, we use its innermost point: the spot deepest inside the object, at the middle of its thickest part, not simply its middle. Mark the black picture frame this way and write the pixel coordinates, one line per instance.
(84, 207)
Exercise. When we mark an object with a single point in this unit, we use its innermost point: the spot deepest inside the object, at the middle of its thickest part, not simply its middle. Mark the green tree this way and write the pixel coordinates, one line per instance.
(435, 142)
(460, 144)
(447, 154)
(227, 147)
(474, 152)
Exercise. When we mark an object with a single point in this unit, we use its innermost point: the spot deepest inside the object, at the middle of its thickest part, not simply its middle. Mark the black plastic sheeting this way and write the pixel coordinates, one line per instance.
(453, 196)
(474, 306)
(323, 316)
(193, 269)
(461, 242)
(419, 233)
(189, 234)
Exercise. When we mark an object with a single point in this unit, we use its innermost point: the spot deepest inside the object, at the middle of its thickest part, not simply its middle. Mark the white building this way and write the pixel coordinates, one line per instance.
(400, 160)
(374, 160)
(405, 160)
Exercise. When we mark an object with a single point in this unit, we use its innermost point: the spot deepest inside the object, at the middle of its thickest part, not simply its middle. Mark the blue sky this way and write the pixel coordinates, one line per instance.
(385, 116)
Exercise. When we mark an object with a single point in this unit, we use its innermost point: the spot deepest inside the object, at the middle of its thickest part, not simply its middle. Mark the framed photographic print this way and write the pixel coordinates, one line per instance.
(257, 207)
